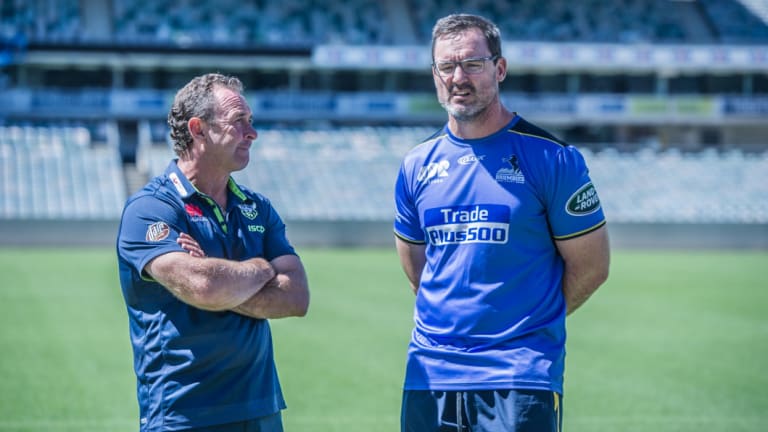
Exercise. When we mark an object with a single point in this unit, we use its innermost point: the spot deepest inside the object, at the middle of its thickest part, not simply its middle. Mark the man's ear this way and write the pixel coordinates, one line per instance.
(501, 69)
(195, 125)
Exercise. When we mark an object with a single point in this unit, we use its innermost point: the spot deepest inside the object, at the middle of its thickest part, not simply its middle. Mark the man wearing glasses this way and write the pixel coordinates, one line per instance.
(501, 235)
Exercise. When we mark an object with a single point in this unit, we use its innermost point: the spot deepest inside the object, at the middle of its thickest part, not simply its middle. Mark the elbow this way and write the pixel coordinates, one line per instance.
(302, 306)
(602, 276)
(596, 279)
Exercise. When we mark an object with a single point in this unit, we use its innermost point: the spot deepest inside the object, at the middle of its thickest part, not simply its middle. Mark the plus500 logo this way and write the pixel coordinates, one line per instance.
(467, 224)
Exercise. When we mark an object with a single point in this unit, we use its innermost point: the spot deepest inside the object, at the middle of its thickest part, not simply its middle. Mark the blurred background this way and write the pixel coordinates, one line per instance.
(668, 101)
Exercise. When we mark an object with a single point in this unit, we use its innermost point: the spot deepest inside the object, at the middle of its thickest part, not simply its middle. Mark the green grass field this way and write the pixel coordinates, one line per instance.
(674, 341)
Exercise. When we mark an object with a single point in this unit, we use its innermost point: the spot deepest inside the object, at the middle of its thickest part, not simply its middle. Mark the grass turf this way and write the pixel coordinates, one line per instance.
(674, 341)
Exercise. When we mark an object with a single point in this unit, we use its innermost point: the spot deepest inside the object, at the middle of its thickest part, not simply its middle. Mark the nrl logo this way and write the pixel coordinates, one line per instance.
(158, 231)
(249, 211)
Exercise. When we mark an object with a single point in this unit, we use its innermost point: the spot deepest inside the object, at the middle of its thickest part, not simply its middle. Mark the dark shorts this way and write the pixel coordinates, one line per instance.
(271, 423)
(481, 410)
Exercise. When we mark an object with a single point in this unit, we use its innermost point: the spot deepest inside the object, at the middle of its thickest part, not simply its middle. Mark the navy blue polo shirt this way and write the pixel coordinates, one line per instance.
(194, 367)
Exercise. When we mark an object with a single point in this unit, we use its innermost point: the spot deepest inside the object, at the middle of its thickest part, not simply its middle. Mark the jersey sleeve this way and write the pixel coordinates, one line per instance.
(407, 225)
(275, 240)
(149, 228)
(573, 204)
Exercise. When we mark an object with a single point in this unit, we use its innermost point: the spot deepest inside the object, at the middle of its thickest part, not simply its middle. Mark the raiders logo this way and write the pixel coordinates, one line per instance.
(249, 211)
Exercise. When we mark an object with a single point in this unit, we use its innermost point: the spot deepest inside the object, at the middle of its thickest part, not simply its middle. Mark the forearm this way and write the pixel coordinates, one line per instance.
(211, 283)
(285, 295)
(578, 288)
(412, 260)
(587, 260)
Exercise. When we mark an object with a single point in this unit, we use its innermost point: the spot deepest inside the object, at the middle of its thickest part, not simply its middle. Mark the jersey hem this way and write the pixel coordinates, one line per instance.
(580, 233)
(409, 240)
(514, 385)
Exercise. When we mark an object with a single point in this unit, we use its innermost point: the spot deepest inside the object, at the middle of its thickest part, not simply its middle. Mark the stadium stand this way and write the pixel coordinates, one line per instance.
(679, 142)
(347, 174)
(562, 20)
(261, 22)
(735, 22)
(52, 172)
(673, 186)
(312, 22)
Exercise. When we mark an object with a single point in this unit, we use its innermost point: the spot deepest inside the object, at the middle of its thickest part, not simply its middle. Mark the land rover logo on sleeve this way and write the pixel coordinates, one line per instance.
(583, 202)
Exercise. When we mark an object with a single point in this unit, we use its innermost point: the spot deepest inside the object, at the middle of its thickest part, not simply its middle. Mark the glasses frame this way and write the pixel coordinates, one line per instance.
(461, 63)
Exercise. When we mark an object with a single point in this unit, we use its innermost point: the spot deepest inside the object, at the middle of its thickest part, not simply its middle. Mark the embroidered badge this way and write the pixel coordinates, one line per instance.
(158, 231)
(193, 210)
(583, 202)
(249, 211)
(512, 174)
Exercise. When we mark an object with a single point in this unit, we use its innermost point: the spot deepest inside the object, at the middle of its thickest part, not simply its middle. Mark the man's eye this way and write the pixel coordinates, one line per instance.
(472, 65)
(446, 68)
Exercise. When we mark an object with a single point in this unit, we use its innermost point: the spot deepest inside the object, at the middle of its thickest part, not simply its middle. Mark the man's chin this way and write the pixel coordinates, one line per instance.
(462, 113)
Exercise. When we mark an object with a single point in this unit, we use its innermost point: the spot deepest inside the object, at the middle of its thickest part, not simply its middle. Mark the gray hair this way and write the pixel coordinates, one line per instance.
(458, 23)
(195, 99)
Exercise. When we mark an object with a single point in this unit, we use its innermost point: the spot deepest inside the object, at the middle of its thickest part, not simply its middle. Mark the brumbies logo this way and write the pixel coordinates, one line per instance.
(583, 202)
(248, 211)
(510, 175)
(158, 231)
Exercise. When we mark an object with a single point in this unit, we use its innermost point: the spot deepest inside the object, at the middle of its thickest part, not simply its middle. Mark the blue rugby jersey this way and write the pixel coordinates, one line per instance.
(194, 367)
(489, 312)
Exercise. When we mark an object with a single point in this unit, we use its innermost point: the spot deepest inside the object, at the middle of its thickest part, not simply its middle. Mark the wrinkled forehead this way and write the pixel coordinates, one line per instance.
(230, 101)
(464, 44)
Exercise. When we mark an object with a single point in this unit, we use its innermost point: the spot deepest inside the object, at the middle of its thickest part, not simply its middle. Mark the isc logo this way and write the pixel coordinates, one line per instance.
(435, 170)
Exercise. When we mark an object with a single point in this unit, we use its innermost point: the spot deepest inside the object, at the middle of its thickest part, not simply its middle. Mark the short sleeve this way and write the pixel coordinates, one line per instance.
(407, 224)
(149, 228)
(573, 203)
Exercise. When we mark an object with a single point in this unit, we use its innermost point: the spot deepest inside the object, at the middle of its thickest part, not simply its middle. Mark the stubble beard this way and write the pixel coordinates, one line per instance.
(464, 113)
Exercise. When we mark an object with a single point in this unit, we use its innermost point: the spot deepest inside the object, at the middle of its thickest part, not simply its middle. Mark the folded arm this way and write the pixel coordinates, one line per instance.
(283, 295)
(210, 283)
(286, 295)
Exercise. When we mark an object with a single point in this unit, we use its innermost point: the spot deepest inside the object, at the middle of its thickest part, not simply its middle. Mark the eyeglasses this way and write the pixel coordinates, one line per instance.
(470, 66)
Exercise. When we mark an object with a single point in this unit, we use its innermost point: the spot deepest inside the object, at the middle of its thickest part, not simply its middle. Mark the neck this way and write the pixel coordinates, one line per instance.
(486, 123)
(207, 181)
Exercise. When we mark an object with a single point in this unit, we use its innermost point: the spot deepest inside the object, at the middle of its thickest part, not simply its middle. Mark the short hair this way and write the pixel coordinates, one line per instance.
(196, 99)
(455, 24)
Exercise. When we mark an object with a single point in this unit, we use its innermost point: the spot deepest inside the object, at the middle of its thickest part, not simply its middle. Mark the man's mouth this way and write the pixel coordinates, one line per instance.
(461, 93)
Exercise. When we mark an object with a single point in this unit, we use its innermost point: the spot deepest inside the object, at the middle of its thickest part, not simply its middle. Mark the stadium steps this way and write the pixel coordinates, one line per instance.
(694, 23)
(758, 7)
(399, 18)
(134, 178)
